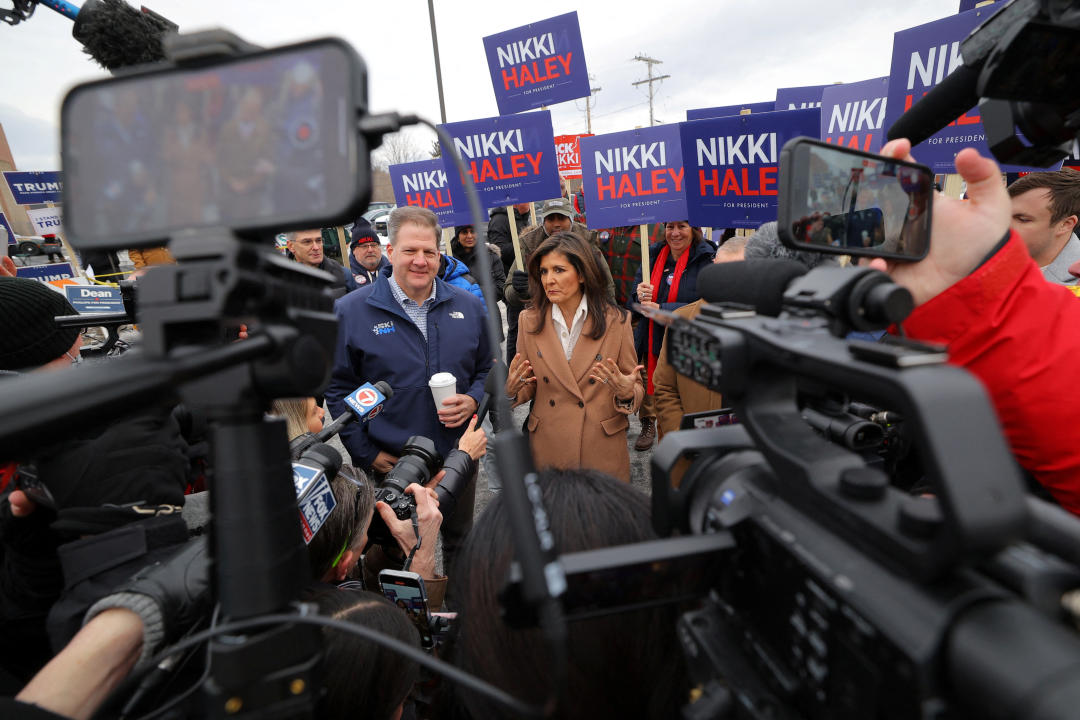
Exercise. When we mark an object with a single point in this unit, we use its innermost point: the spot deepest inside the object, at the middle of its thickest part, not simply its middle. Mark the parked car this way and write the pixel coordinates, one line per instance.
(36, 245)
(378, 219)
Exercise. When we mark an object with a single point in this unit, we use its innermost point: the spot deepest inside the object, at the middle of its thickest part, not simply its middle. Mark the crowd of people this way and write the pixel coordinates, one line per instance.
(583, 358)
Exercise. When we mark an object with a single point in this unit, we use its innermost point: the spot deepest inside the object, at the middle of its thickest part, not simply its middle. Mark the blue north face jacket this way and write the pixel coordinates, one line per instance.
(378, 341)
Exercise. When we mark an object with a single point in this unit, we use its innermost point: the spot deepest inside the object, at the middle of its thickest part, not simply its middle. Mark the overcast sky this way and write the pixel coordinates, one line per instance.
(717, 53)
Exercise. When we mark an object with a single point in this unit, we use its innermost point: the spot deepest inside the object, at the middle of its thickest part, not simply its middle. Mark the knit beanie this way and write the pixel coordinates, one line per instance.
(361, 234)
(29, 337)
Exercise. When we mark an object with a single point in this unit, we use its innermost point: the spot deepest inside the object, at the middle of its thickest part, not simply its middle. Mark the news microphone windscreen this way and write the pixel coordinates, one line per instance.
(384, 387)
(758, 283)
(116, 35)
(950, 99)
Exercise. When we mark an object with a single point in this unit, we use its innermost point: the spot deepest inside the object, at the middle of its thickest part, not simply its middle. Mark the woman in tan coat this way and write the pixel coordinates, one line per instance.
(576, 361)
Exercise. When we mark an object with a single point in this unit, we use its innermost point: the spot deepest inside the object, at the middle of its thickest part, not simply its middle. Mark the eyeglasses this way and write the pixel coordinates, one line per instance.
(308, 242)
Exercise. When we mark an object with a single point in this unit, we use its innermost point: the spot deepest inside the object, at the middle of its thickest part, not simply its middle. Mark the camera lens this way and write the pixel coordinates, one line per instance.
(418, 464)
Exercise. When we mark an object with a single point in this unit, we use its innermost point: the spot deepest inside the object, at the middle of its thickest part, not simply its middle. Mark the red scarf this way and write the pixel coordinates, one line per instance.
(673, 292)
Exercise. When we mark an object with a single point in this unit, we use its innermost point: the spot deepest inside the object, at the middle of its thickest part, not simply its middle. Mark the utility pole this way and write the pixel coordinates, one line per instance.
(588, 104)
(650, 80)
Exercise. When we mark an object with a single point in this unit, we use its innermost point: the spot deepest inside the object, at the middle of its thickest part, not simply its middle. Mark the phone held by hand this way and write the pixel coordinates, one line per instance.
(406, 590)
(843, 201)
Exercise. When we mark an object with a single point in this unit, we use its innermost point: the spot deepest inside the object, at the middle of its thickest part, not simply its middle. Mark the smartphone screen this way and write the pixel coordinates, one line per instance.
(406, 590)
(844, 201)
(263, 141)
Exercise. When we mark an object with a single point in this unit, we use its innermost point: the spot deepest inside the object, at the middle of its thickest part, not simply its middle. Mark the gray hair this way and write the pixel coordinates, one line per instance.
(290, 236)
(411, 214)
(734, 246)
(765, 243)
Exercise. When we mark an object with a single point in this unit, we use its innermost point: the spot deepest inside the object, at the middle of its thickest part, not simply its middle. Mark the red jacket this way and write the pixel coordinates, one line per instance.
(1020, 335)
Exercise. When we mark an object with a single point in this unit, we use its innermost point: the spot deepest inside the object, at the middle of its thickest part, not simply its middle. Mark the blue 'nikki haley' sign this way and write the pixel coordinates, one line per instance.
(426, 183)
(633, 177)
(799, 98)
(511, 158)
(922, 57)
(728, 110)
(29, 188)
(733, 165)
(853, 114)
(538, 64)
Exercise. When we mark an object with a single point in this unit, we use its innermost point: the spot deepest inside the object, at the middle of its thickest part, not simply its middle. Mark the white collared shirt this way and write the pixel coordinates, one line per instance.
(569, 336)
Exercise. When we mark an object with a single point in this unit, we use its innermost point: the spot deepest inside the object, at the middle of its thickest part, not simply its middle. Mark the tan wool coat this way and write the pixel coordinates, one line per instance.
(575, 422)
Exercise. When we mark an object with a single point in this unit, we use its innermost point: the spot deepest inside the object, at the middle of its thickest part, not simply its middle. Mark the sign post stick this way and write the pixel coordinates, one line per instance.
(532, 214)
(343, 245)
(953, 185)
(512, 216)
(645, 274)
(447, 235)
(69, 250)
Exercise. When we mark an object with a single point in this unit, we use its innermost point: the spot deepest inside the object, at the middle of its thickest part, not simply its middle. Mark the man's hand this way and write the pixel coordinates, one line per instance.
(429, 520)
(474, 441)
(520, 282)
(384, 461)
(963, 232)
(21, 505)
(456, 409)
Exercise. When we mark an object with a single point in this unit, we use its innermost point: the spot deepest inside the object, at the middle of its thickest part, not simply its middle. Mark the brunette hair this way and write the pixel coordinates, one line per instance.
(1063, 186)
(636, 652)
(581, 256)
(362, 678)
(696, 235)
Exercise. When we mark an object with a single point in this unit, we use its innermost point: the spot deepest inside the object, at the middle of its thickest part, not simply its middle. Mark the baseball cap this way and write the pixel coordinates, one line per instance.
(558, 206)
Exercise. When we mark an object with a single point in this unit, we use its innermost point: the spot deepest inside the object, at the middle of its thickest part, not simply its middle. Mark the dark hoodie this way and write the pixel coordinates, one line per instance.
(498, 233)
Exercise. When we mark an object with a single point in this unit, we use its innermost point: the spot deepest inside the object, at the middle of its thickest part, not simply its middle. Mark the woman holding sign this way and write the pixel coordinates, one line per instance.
(576, 361)
(671, 284)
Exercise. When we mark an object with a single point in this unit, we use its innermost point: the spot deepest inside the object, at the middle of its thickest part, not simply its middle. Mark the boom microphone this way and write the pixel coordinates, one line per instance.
(945, 102)
(365, 403)
(757, 283)
(115, 34)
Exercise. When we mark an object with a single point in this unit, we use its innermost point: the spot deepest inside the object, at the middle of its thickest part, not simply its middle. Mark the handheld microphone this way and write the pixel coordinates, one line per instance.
(485, 400)
(758, 283)
(312, 473)
(365, 402)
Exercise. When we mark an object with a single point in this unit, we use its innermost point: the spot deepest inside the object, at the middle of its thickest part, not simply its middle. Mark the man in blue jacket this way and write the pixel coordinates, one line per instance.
(403, 331)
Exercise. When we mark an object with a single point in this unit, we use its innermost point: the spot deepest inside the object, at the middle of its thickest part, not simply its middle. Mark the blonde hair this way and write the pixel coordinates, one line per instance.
(294, 410)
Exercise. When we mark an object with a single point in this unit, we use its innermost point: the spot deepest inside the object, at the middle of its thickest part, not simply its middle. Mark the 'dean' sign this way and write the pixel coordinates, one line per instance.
(511, 158)
(633, 177)
(733, 165)
(426, 184)
(538, 64)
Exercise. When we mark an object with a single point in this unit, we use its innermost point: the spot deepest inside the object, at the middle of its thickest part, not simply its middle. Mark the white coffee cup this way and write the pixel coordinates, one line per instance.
(443, 385)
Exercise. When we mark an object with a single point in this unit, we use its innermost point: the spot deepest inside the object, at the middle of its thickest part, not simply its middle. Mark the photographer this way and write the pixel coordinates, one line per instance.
(979, 292)
(109, 497)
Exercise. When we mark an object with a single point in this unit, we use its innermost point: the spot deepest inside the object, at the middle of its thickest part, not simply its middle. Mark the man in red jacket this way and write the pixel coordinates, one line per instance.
(979, 292)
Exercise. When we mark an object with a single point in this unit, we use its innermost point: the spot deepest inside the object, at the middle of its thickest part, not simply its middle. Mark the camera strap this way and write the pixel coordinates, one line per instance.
(416, 532)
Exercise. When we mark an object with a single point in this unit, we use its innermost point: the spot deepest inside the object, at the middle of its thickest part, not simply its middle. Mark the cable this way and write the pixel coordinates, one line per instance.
(418, 656)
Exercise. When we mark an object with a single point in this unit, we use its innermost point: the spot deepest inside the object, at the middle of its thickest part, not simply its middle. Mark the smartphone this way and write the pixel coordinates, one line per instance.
(406, 590)
(839, 200)
(261, 143)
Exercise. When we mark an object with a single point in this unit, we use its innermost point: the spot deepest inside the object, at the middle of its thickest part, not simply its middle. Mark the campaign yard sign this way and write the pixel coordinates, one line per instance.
(728, 110)
(7, 228)
(568, 152)
(733, 165)
(538, 64)
(47, 221)
(426, 184)
(94, 299)
(511, 158)
(799, 98)
(853, 114)
(30, 188)
(633, 177)
(922, 57)
(55, 275)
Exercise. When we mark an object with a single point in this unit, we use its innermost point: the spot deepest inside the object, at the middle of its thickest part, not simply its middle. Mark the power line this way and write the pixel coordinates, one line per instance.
(650, 80)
